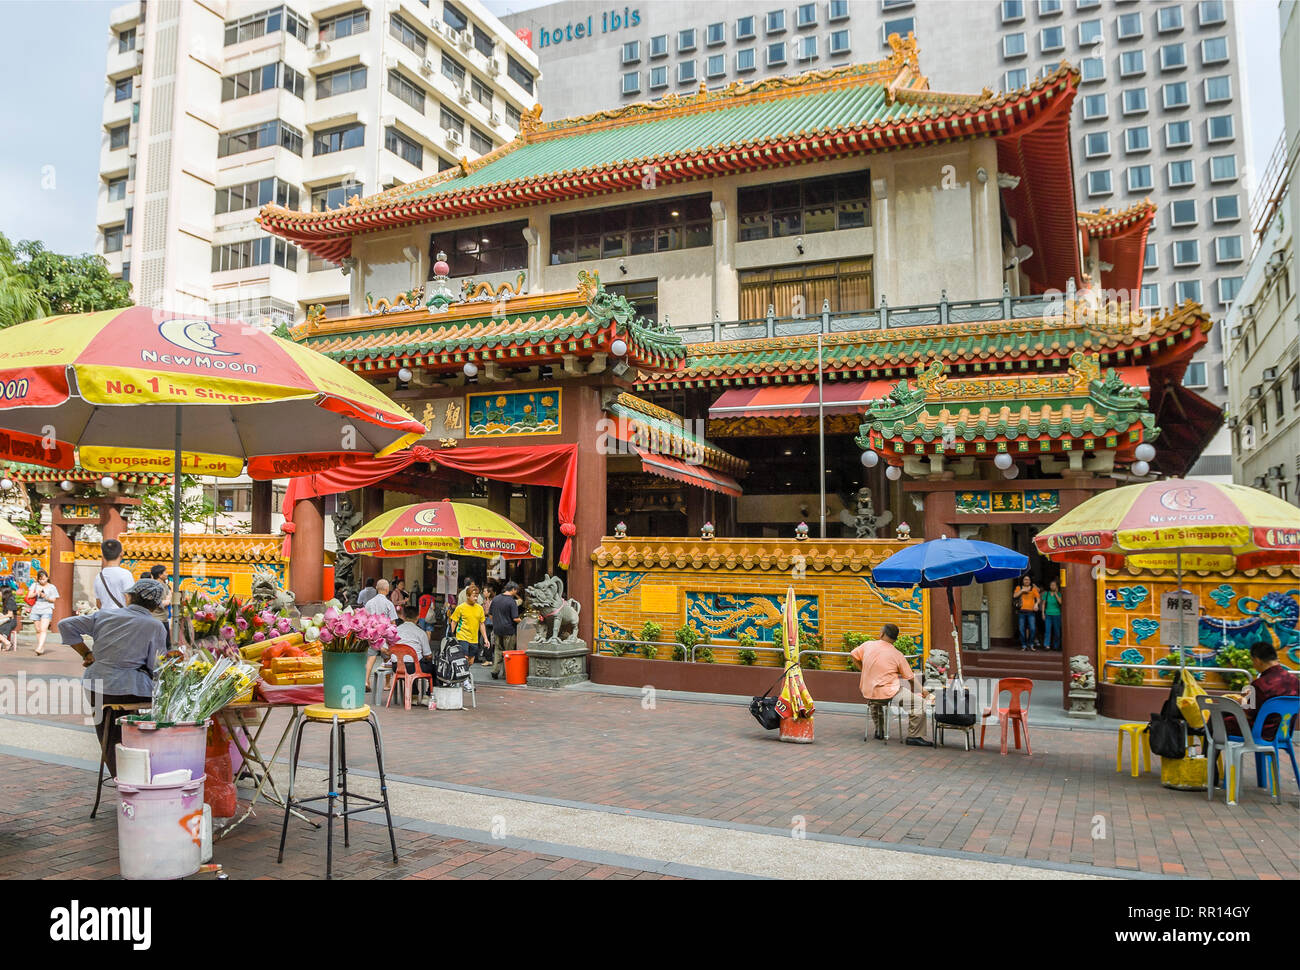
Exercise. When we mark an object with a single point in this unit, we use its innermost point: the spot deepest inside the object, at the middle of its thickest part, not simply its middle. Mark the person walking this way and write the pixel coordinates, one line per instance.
(399, 597)
(1051, 607)
(1026, 599)
(113, 581)
(884, 670)
(469, 627)
(43, 594)
(367, 593)
(504, 613)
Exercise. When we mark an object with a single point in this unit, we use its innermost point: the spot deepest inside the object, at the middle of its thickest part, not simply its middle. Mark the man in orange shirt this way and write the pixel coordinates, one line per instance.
(884, 668)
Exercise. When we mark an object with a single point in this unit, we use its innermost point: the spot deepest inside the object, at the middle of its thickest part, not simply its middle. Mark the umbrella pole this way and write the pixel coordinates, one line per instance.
(956, 633)
(1182, 646)
(176, 528)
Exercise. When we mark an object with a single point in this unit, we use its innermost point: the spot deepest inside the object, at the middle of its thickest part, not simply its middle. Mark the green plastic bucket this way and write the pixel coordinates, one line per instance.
(345, 680)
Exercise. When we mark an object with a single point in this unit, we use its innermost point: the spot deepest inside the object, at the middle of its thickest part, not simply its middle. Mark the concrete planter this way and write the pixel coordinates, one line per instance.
(824, 685)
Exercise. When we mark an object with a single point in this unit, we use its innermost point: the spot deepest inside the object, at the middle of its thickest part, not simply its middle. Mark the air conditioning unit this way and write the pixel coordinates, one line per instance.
(1233, 422)
(390, 62)
(1270, 374)
(1276, 471)
(465, 96)
(465, 40)
(1257, 392)
(321, 48)
(453, 136)
(427, 66)
(495, 119)
(1260, 481)
(493, 66)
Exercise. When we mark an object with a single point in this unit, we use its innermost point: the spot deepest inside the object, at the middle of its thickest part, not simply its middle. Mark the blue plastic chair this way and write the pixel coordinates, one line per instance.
(1283, 739)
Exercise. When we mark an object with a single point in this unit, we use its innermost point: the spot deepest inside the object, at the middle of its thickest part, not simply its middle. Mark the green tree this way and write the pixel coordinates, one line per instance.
(72, 284)
(20, 296)
(154, 513)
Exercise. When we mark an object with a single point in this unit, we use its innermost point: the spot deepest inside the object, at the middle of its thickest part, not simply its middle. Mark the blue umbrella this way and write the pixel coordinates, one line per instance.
(950, 562)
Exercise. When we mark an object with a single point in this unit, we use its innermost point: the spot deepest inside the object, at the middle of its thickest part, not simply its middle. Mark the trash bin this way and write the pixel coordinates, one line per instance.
(160, 829)
(170, 746)
(516, 662)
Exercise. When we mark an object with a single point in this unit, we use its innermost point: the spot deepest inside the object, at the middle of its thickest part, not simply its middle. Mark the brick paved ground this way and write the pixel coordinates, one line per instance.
(711, 761)
(45, 831)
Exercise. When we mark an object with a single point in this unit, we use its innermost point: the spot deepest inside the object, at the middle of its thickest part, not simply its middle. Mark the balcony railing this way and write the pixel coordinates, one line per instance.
(884, 317)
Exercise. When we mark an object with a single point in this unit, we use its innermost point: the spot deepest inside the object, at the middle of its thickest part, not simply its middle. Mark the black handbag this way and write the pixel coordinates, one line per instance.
(1167, 731)
(764, 708)
(953, 707)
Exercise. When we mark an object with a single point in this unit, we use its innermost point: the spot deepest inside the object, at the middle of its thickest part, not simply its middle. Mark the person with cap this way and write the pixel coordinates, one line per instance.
(120, 666)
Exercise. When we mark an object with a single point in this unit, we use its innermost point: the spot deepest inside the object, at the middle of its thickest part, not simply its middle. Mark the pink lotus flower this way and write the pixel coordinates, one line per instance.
(259, 635)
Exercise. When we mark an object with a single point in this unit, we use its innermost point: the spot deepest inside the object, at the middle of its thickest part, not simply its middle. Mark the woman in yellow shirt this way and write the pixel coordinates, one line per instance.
(468, 626)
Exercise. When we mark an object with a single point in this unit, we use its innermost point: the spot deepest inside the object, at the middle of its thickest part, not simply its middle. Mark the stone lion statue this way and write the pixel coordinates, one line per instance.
(1082, 674)
(555, 614)
(267, 592)
(938, 668)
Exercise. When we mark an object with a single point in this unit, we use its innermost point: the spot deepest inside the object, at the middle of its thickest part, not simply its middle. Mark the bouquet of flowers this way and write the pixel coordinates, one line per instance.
(204, 613)
(191, 689)
(242, 623)
(347, 631)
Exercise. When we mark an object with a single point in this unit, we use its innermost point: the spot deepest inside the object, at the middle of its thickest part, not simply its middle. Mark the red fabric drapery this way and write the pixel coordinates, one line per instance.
(552, 465)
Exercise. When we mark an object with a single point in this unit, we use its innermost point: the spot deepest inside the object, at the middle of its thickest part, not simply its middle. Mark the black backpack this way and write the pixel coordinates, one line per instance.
(764, 708)
(453, 666)
(1168, 729)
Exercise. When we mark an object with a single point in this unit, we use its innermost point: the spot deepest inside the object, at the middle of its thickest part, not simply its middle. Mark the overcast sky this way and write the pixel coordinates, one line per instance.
(53, 71)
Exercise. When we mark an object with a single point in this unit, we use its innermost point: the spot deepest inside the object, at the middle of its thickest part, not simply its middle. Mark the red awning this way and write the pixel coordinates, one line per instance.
(798, 400)
(667, 467)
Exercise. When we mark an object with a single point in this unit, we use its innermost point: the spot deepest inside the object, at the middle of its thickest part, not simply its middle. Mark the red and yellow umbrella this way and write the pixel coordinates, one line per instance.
(1176, 524)
(129, 388)
(11, 540)
(456, 528)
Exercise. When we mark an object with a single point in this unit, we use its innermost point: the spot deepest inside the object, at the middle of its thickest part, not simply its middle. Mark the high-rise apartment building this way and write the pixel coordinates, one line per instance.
(1159, 112)
(212, 110)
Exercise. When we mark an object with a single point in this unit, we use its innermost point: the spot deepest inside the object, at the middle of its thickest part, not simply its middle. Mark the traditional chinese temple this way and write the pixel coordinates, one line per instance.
(839, 299)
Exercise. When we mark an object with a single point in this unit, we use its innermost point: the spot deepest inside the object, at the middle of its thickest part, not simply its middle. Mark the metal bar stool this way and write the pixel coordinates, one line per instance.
(338, 720)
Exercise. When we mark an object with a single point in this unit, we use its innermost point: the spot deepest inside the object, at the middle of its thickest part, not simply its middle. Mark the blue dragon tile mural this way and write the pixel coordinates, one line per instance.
(613, 583)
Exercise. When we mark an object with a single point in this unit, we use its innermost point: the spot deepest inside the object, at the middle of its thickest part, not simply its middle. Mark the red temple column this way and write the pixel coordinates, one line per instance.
(307, 564)
(62, 562)
(111, 522)
(1079, 597)
(590, 518)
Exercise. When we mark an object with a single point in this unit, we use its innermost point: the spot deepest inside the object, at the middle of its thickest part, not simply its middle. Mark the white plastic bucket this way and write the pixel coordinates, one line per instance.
(448, 698)
(160, 829)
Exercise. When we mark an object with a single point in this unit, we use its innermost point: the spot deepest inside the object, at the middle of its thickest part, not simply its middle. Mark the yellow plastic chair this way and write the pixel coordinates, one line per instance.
(1139, 737)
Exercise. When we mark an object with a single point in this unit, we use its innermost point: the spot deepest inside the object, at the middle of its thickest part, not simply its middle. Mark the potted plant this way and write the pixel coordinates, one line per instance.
(686, 638)
(1129, 677)
(650, 633)
(345, 637)
(747, 655)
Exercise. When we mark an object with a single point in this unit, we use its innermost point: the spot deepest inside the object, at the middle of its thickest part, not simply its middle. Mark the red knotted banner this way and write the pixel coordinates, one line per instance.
(552, 465)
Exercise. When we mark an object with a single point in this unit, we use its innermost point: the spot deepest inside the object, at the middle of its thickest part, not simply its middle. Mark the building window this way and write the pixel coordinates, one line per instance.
(837, 10)
(686, 40)
(483, 42)
(1051, 39)
(1151, 257)
(840, 41)
(407, 35)
(1089, 33)
(1175, 95)
(126, 40)
(1214, 50)
(344, 25)
(844, 284)
(642, 294)
(1094, 106)
(1185, 290)
(250, 195)
(1178, 134)
(715, 34)
(774, 22)
(1219, 128)
(744, 28)
(255, 252)
(1134, 101)
(1096, 144)
(716, 65)
(404, 147)
(1223, 168)
(632, 82)
(631, 52)
(1228, 249)
(450, 121)
(632, 230)
(776, 53)
(122, 89)
(479, 143)
(804, 207)
(513, 117)
(341, 81)
(1048, 8)
(1099, 182)
(1173, 57)
(685, 72)
(117, 189)
(1229, 287)
(119, 136)
(1139, 178)
(1169, 18)
(1150, 298)
(1137, 140)
(1226, 208)
(266, 22)
(902, 26)
(1195, 375)
(1132, 63)
(453, 70)
(1013, 10)
(1014, 80)
(1210, 12)
(745, 60)
(1218, 89)
(806, 48)
(519, 74)
(267, 135)
(659, 77)
(453, 17)
(1182, 212)
(338, 139)
(113, 237)
(1128, 26)
(1093, 69)
(659, 45)
(480, 92)
(1187, 252)
(1081, 5)
(1013, 45)
(805, 15)
(335, 194)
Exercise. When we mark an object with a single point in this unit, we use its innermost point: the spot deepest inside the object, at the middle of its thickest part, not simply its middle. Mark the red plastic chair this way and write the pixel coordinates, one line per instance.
(401, 653)
(1014, 712)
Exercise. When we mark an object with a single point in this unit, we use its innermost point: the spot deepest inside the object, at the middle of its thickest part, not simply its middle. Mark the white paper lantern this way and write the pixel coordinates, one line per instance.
(618, 348)
(65, 485)
(404, 375)
(1144, 452)
(471, 369)
(1003, 460)
(1012, 472)
(1140, 469)
(107, 481)
(893, 473)
(870, 459)
(6, 484)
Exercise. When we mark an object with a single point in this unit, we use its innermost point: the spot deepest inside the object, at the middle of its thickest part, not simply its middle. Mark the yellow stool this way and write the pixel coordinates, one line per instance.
(1138, 734)
(338, 778)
